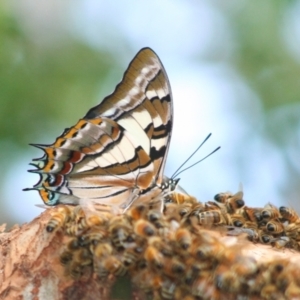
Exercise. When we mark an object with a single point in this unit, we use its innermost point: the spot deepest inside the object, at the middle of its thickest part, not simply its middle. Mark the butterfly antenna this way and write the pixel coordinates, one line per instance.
(199, 160)
(175, 173)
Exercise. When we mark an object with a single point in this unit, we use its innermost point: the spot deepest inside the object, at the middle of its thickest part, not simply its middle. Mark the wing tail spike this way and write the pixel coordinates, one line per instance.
(40, 146)
(35, 171)
(29, 189)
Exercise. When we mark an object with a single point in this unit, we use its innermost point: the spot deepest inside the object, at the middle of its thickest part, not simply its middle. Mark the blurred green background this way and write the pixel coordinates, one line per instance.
(233, 67)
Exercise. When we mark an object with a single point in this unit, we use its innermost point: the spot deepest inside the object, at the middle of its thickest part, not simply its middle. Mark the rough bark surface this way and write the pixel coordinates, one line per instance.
(30, 268)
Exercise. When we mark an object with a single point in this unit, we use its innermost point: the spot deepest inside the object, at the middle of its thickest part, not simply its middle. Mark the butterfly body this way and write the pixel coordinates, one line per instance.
(115, 155)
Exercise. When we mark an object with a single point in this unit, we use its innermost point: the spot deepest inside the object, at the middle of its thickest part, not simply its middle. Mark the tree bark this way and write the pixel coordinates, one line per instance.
(30, 267)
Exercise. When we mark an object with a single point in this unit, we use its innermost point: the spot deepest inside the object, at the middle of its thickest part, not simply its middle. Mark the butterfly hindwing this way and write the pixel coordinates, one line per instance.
(118, 150)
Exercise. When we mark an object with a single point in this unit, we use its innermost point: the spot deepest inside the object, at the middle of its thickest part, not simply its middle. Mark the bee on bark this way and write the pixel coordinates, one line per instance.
(237, 220)
(270, 291)
(101, 250)
(67, 254)
(88, 222)
(289, 214)
(232, 202)
(281, 242)
(60, 217)
(92, 238)
(203, 287)
(292, 230)
(167, 289)
(132, 254)
(274, 227)
(226, 280)
(80, 260)
(173, 268)
(149, 282)
(120, 231)
(110, 265)
(211, 217)
(143, 228)
(183, 238)
(154, 257)
(156, 251)
(269, 212)
(252, 214)
(208, 248)
(264, 238)
(138, 211)
(180, 198)
(292, 291)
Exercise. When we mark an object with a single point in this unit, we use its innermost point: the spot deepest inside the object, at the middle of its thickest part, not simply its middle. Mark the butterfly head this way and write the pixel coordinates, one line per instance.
(169, 185)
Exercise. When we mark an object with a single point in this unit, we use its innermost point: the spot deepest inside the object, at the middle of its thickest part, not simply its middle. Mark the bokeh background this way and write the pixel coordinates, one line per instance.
(233, 67)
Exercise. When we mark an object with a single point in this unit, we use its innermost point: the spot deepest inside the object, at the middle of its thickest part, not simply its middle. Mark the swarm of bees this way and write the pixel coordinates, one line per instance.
(172, 255)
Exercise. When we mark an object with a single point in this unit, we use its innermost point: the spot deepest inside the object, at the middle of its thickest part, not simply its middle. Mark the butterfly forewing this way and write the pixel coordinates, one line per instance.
(117, 152)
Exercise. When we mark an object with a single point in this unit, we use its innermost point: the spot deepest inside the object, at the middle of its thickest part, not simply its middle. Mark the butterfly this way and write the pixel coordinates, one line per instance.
(116, 154)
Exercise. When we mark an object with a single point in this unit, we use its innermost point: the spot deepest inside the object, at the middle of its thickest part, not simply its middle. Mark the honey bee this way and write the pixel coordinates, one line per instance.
(173, 267)
(60, 217)
(81, 258)
(176, 212)
(156, 251)
(245, 267)
(292, 291)
(154, 257)
(143, 228)
(149, 282)
(204, 287)
(180, 198)
(208, 248)
(67, 254)
(153, 216)
(234, 203)
(132, 254)
(183, 238)
(281, 242)
(272, 270)
(223, 197)
(269, 212)
(101, 250)
(88, 222)
(275, 227)
(138, 211)
(162, 245)
(120, 231)
(252, 214)
(293, 231)
(211, 217)
(270, 291)
(288, 214)
(110, 265)
(264, 238)
(251, 229)
(231, 202)
(93, 237)
(168, 289)
(210, 205)
(252, 233)
(226, 280)
(237, 220)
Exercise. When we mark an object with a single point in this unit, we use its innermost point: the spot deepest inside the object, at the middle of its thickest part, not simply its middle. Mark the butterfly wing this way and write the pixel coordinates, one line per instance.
(119, 148)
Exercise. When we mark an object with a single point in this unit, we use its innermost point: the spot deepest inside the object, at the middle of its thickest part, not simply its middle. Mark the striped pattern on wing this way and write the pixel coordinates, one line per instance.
(117, 151)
